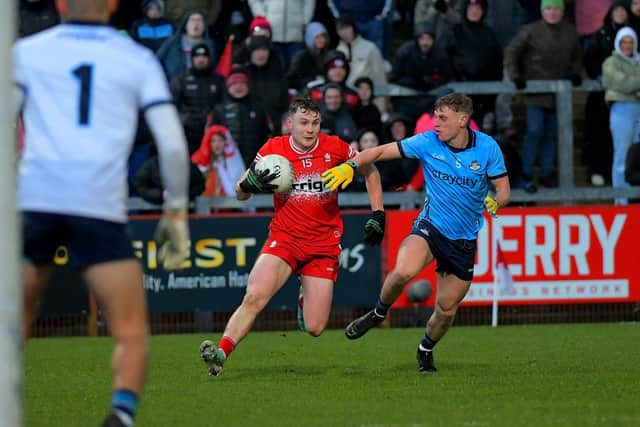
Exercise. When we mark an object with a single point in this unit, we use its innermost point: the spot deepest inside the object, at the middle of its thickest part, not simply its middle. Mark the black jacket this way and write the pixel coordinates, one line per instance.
(247, 122)
(195, 95)
(601, 43)
(417, 70)
(305, 66)
(36, 16)
(269, 87)
(148, 183)
(473, 51)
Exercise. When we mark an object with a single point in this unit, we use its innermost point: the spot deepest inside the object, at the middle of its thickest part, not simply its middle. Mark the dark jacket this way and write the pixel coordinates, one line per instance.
(36, 16)
(338, 123)
(600, 44)
(473, 51)
(268, 86)
(195, 94)
(247, 122)
(152, 33)
(172, 56)
(368, 117)
(148, 183)
(417, 70)
(544, 52)
(305, 66)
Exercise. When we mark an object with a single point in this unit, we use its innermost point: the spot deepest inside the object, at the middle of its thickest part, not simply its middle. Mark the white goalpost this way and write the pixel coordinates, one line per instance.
(10, 288)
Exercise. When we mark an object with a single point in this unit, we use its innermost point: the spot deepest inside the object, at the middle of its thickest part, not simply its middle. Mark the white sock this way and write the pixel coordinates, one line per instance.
(124, 417)
(421, 348)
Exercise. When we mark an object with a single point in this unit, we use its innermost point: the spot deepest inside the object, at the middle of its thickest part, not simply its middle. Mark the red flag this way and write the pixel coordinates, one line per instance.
(223, 67)
(504, 278)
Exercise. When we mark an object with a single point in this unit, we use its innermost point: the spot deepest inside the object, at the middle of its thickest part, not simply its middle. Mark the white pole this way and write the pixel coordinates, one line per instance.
(10, 288)
(494, 254)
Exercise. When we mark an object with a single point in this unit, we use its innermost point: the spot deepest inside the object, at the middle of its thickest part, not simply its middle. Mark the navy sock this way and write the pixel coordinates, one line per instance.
(381, 308)
(427, 343)
(124, 403)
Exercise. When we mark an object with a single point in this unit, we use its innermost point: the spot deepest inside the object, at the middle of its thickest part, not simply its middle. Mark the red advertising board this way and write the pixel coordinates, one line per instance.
(555, 255)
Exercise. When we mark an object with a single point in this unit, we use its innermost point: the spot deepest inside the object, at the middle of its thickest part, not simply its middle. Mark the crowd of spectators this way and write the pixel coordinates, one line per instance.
(234, 65)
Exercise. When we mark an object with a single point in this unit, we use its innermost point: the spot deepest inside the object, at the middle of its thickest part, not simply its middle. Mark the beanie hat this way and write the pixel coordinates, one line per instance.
(314, 29)
(237, 75)
(335, 59)
(425, 27)
(548, 3)
(260, 22)
(200, 49)
(148, 3)
(259, 42)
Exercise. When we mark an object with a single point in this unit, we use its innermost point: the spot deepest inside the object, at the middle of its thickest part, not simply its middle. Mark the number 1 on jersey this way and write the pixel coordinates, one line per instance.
(84, 73)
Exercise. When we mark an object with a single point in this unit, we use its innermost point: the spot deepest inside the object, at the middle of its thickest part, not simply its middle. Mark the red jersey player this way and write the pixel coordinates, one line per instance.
(305, 233)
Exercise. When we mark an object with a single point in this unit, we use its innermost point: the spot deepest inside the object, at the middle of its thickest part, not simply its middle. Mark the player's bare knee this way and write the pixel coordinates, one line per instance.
(254, 301)
(446, 310)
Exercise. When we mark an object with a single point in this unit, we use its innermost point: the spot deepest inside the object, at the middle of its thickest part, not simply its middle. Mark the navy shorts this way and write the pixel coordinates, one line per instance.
(453, 256)
(88, 241)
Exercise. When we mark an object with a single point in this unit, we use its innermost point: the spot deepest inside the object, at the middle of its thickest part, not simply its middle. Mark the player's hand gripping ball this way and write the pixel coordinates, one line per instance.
(339, 176)
(271, 174)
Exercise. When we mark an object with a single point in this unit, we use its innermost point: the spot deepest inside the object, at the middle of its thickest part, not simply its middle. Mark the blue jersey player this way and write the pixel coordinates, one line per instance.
(458, 165)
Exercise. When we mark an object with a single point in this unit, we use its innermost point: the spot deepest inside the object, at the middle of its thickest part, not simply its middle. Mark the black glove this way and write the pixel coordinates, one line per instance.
(258, 182)
(520, 83)
(441, 6)
(374, 228)
(576, 79)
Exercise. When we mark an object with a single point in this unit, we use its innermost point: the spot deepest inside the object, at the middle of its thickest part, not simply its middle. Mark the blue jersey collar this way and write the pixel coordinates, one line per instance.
(471, 142)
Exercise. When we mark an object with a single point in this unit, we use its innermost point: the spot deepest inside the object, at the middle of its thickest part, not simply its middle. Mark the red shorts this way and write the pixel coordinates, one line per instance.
(305, 259)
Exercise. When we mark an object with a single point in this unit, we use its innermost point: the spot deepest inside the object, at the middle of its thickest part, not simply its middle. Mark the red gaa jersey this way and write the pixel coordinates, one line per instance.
(309, 211)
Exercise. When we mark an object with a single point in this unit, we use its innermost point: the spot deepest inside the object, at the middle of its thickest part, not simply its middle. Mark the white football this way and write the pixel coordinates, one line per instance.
(279, 165)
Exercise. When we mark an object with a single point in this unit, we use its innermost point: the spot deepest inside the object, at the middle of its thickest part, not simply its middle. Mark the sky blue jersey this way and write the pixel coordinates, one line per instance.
(456, 180)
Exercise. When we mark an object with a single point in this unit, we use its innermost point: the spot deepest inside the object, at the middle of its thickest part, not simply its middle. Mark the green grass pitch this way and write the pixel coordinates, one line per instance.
(551, 375)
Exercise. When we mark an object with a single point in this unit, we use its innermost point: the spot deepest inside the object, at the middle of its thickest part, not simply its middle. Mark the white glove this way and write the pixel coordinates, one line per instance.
(172, 236)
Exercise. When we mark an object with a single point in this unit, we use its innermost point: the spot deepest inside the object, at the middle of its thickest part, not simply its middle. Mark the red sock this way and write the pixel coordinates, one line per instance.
(227, 345)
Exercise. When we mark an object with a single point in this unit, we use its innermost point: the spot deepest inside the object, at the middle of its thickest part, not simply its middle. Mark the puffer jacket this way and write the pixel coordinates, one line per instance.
(621, 79)
(247, 122)
(287, 17)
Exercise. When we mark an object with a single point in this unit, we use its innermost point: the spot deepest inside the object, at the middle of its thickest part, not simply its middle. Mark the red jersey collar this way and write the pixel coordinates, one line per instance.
(299, 151)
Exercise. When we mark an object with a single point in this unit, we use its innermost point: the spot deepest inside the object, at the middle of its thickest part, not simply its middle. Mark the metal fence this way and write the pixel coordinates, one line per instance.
(566, 193)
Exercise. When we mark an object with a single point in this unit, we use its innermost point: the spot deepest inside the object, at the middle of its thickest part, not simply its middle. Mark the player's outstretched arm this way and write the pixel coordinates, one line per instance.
(342, 175)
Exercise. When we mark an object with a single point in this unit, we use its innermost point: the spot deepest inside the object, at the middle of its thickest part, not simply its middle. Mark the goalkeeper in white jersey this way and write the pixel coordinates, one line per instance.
(79, 88)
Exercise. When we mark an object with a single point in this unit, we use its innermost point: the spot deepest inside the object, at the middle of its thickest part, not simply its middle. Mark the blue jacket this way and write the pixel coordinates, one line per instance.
(172, 56)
